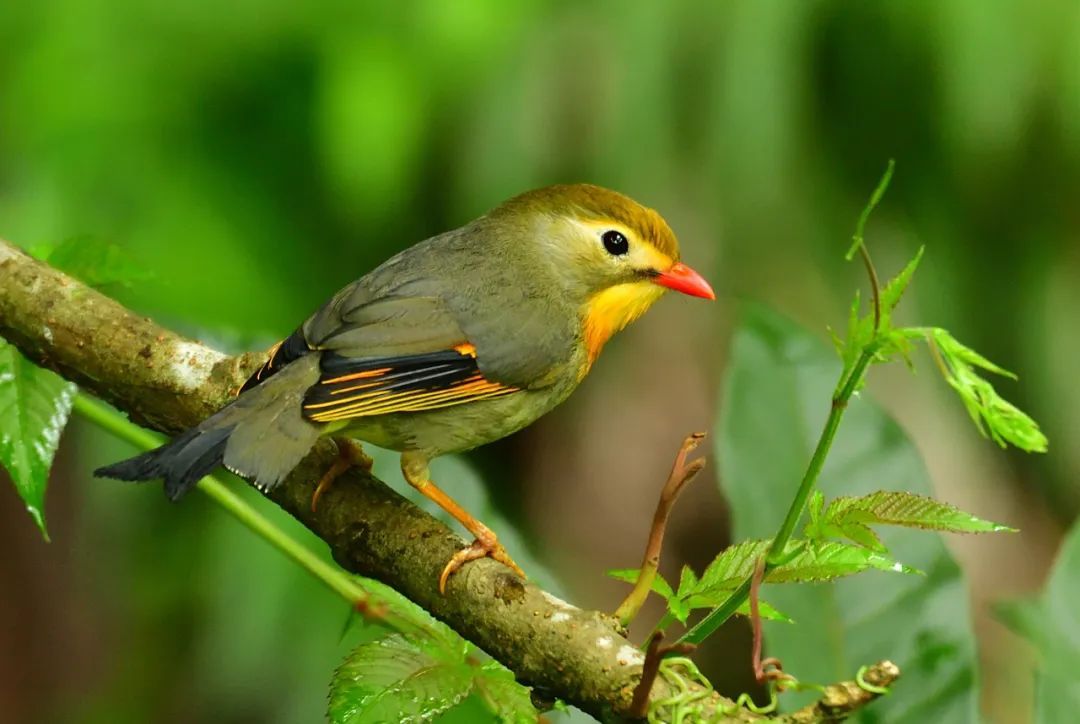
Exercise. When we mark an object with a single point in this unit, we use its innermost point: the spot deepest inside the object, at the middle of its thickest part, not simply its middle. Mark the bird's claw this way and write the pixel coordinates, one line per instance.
(350, 455)
(479, 548)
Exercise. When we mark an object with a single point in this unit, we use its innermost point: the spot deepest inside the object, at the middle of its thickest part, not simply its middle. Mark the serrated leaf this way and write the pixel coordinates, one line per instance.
(399, 679)
(34, 408)
(908, 510)
(994, 416)
(862, 535)
(954, 349)
(894, 290)
(819, 529)
(713, 598)
(894, 343)
(779, 381)
(824, 561)
(630, 575)
(857, 334)
(678, 605)
(830, 560)
(765, 609)
(504, 697)
(688, 581)
(729, 569)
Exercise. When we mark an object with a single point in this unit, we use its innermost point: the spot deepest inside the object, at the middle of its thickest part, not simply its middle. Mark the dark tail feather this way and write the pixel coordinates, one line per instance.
(182, 462)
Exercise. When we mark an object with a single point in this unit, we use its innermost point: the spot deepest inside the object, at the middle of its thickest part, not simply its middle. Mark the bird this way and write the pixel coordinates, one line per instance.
(455, 342)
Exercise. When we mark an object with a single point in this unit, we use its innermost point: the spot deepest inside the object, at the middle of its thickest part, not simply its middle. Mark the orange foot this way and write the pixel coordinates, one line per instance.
(414, 466)
(486, 545)
(350, 454)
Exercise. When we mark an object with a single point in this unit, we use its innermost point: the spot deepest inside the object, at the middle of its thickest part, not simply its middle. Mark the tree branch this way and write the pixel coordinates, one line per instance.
(169, 383)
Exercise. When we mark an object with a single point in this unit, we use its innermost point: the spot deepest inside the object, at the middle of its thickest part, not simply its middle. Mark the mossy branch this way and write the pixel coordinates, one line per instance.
(168, 383)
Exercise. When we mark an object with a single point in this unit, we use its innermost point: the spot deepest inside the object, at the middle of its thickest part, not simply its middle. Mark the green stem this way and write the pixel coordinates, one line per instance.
(813, 470)
(337, 580)
(715, 618)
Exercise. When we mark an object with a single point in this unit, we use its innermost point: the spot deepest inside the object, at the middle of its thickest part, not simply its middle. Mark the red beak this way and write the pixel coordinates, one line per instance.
(683, 279)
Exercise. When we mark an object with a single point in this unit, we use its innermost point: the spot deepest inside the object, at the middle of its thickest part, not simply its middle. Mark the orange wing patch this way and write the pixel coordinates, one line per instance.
(353, 388)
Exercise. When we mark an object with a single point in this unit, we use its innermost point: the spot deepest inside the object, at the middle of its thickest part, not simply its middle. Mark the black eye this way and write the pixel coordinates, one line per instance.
(615, 242)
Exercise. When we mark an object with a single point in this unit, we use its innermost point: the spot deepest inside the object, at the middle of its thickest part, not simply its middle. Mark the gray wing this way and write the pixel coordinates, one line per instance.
(449, 291)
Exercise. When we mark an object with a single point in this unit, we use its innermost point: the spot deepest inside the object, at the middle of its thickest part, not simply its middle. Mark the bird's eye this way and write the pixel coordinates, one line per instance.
(615, 242)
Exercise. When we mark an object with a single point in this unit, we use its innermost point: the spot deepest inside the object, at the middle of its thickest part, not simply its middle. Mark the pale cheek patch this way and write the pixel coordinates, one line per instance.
(192, 364)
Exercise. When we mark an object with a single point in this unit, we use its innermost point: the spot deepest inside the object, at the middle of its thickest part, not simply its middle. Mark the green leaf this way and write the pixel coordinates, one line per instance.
(766, 610)
(399, 679)
(994, 416)
(889, 342)
(1052, 624)
(504, 697)
(679, 605)
(824, 562)
(895, 288)
(908, 510)
(729, 569)
(815, 507)
(712, 599)
(776, 396)
(858, 334)
(34, 407)
(417, 677)
(404, 608)
(831, 560)
(630, 575)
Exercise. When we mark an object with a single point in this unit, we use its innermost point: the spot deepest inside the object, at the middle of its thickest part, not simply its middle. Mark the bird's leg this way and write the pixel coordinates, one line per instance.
(350, 454)
(415, 469)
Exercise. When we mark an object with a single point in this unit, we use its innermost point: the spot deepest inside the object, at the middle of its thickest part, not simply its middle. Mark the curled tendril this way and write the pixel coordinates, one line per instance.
(866, 685)
(745, 702)
(688, 705)
(685, 704)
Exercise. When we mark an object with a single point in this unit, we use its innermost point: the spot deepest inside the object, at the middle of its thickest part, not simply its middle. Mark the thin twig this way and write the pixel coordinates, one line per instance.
(859, 243)
(654, 654)
(769, 669)
(755, 618)
(875, 285)
(681, 473)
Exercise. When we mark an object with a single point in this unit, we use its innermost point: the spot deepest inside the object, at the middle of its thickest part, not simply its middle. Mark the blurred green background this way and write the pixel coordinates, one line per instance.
(255, 156)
